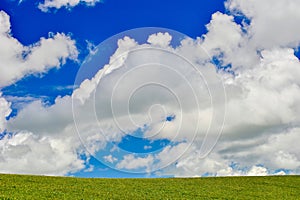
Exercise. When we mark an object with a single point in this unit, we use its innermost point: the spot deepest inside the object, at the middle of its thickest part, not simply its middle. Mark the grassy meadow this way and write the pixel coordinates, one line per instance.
(43, 187)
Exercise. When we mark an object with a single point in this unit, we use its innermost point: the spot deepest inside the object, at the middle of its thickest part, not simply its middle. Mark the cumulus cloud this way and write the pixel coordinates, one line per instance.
(28, 153)
(262, 101)
(5, 110)
(160, 39)
(23, 151)
(50, 137)
(57, 4)
(39, 124)
(131, 162)
(18, 60)
(273, 23)
(253, 171)
(263, 96)
(272, 79)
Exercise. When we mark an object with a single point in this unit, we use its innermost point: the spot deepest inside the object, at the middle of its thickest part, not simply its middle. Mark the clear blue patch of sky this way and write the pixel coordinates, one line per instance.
(142, 145)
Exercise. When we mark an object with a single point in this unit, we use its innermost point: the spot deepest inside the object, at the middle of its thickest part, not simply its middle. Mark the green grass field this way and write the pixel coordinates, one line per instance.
(42, 187)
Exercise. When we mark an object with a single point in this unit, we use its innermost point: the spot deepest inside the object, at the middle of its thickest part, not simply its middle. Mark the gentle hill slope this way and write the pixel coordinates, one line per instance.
(42, 187)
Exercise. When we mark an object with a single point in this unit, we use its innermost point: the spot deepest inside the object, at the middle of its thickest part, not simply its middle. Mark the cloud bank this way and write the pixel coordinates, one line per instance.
(23, 151)
(260, 74)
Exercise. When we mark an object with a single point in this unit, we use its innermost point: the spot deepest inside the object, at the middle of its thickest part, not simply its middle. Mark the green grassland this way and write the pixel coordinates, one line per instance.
(43, 187)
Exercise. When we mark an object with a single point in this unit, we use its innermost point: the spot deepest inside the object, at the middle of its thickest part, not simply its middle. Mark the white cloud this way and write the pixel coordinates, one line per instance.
(36, 152)
(261, 130)
(226, 41)
(257, 171)
(160, 39)
(18, 60)
(110, 159)
(273, 22)
(57, 4)
(267, 93)
(253, 171)
(50, 135)
(28, 153)
(262, 100)
(130, 162)
(223, 34)
(116, 60)
(5, 110)
(40, 128)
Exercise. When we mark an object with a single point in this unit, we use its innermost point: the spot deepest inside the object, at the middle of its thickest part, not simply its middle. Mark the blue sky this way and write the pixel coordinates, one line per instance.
(96, 24)
(244, 118)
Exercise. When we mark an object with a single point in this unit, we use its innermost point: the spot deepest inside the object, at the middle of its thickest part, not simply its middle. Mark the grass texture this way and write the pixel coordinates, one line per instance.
(43, 187)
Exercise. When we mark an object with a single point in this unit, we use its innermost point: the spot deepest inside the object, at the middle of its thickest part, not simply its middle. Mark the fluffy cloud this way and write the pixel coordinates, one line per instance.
(273, 23)
(143, 84)
(130, 162)
(160, 39)
(57, 4)
(253, 171)
(223, 34)
(267, 93)
(4, 112)
(50, 137)
(21, 150)
(262, 96)
(18, 60)
(28, 153)
(49, 134)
